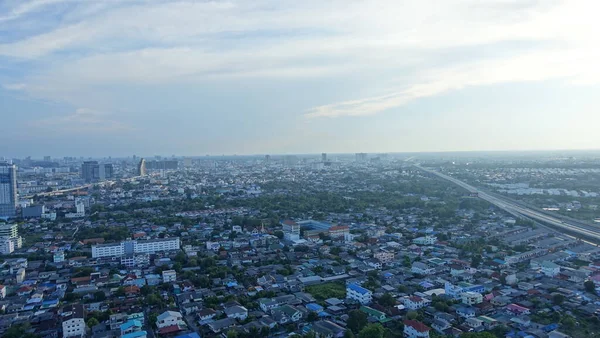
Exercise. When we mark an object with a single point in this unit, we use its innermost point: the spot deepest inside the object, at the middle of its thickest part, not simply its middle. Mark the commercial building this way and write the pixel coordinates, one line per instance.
(361, 157)
(471, 298)
(6, 246)
(291, 230)
(130, 248)
(358, 293)
(141, 168)
(91, 171)
(34, 211)
(8, 190)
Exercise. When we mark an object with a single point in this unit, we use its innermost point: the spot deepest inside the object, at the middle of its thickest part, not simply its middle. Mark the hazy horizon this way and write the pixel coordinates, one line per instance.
(286, 77)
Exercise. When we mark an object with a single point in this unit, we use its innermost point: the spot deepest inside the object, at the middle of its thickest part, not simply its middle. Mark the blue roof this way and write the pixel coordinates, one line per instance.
(189, 335)
(358, 289)
(314, 307)
(130, 324)
(135, 334)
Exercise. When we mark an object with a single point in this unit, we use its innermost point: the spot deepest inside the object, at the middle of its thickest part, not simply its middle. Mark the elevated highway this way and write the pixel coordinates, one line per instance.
(575, 228)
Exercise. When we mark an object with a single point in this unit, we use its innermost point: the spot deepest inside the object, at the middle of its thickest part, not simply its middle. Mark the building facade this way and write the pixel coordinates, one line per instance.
(359, 294)
(8, 190)
(130, 248)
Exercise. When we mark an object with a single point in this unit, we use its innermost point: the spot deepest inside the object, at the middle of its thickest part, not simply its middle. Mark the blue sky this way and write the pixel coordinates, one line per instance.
(99, 78)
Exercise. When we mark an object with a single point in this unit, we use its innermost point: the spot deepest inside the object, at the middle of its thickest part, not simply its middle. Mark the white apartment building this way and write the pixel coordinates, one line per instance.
(384, 256)
(156, 245)
(169, 276)
(136, 247)
(6, 246)
(73, 323)
(471, 298)
(359, 294)
(108, 250)
(169, 318)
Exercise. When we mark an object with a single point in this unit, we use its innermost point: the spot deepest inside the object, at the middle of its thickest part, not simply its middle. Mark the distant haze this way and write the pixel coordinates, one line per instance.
(96, 78)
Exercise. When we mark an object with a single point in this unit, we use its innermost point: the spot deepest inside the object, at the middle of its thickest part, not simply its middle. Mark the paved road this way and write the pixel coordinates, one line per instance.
(513, 207)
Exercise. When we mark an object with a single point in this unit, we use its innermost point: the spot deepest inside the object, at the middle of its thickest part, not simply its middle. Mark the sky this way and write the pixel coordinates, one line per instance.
(104, 77)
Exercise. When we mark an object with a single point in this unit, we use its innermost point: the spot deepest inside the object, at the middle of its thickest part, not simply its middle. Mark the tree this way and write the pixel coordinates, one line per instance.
(312, 317)
(92, 322)
(387, 300)
(590, 286)
(372, 331)
(99, 296)
(357, 320)
(412, 315)
(558, 299)
(278, 234)
(476, 261)
(477, 335)
(348, 334)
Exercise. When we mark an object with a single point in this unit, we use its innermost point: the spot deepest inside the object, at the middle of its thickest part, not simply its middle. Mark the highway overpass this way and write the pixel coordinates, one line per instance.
(576, 228)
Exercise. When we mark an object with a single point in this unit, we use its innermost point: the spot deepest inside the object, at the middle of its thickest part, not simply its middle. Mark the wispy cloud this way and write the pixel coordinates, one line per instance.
(14, 86)
(83, 120)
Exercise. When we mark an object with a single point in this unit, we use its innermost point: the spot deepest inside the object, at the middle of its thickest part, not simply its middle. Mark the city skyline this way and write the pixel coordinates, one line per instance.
(234, 77)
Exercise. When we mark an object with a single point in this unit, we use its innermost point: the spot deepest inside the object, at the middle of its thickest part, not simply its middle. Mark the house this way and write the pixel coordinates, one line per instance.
(384, 257)
(415, 302)
(421, 268)
(558, 334)
(358, 293)
(474, 323)
(130, 326)
(465, 311)
(415, 329)
(2, 291)
(206, 316)
(169, 318)
(73, 321)
(327, 329)
(471, 298)
(518, 309)
(375, 314)
(237, 312)
(550, 269)
(427, 240)
(222, 324)
(440, 325)
(285, 314)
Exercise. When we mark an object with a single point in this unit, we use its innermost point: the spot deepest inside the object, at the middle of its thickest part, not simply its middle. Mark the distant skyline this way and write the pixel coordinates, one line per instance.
(99, 78)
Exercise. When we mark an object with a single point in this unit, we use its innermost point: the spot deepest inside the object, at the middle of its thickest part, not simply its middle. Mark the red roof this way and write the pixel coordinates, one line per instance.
(289, 222)
(418, 326)
(169, 329)
(339, 227)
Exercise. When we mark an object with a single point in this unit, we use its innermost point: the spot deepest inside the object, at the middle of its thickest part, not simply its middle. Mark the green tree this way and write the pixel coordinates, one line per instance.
(589, 286)
(312, 317)
(476, 261)
(387, 300)
(99, 296)
(19, 331)
(278, 234)
(558, 299)
(372, 331)
(357, 320)
(348, 334)
(92, 322)
(477, 335)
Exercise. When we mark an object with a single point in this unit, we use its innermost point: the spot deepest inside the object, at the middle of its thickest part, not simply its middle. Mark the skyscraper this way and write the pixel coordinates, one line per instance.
(324, 157)
(141, 169)
(92, 171)
(8, 190)
(361, 157)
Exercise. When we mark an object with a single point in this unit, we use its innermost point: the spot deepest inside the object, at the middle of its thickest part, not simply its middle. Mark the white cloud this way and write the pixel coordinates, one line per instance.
(83, 120)
(14, 86)
(140, 42)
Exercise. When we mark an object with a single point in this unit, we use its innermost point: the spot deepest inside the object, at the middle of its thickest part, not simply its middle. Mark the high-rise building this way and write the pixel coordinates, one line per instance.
(141, 169)
(267, 158)
(361, 157)
(47, 158)
(91, 171)
(324, 157)
(162, 165)
(187, 162)
(8, 190)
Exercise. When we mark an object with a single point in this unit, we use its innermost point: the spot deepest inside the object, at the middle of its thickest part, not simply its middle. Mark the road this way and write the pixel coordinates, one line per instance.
(585, 230)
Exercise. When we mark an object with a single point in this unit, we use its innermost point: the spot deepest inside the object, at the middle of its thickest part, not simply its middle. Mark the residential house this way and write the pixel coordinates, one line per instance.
(358, 293)
(415, 329)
